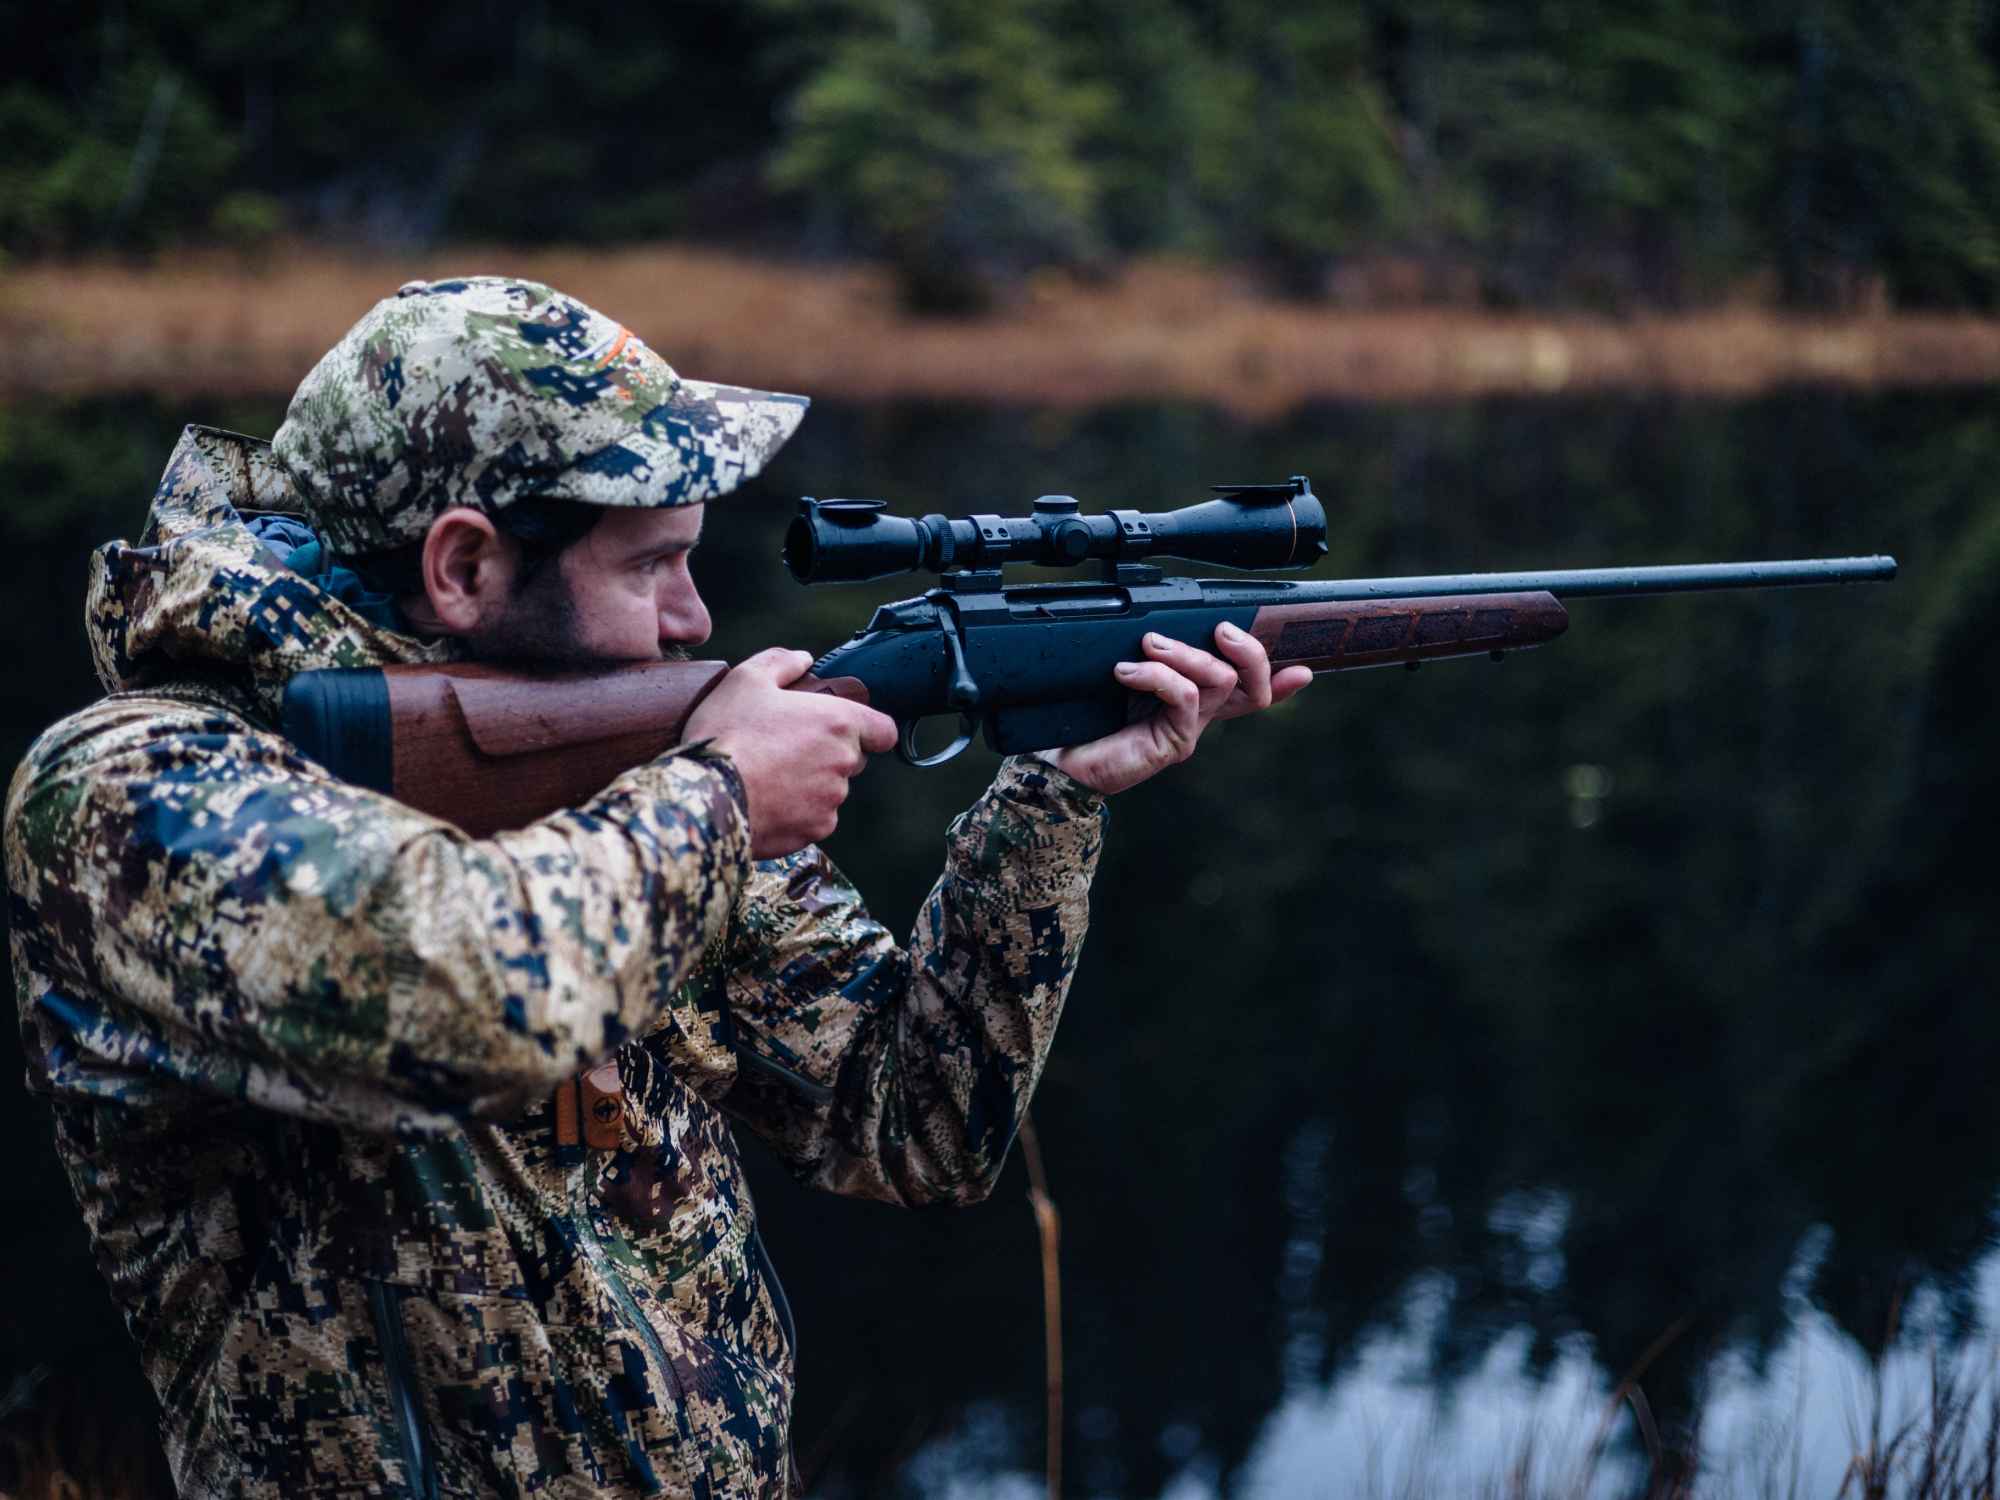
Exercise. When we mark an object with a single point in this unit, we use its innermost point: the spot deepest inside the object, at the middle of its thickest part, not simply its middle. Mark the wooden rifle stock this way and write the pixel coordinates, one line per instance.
(488, 746)
(1386, 632)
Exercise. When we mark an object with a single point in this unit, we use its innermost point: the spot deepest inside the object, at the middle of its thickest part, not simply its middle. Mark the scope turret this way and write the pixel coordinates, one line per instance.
(1254, 526)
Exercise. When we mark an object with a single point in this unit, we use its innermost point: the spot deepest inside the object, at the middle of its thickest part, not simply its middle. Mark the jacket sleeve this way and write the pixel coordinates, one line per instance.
(903, 1073)
(194, 902)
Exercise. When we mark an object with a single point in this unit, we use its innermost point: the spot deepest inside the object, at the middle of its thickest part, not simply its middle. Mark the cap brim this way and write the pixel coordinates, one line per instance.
(727, 433)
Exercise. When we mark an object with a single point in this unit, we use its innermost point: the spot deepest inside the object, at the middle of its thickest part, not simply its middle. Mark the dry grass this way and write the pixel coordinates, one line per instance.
(1160, 331)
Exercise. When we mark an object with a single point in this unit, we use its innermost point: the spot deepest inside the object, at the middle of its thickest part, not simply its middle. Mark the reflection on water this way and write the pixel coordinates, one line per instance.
(1452, 1045)
(1789, 1426)
(1385, 1427)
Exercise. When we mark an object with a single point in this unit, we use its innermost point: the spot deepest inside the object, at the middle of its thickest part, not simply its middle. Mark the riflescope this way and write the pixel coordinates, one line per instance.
(1258, 526)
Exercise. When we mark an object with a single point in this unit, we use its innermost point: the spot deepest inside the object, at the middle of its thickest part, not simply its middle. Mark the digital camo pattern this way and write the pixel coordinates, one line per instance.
(200, 592)
(485, 390)
(300, 1043)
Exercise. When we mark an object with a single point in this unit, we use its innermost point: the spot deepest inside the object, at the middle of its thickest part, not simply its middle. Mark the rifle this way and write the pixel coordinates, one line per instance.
(489, 747)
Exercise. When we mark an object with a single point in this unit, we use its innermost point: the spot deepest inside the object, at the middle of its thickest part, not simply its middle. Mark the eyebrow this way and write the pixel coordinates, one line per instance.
(665, 549)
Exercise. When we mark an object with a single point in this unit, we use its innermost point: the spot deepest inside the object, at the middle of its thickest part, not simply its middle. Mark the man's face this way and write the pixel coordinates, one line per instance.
(622, 593)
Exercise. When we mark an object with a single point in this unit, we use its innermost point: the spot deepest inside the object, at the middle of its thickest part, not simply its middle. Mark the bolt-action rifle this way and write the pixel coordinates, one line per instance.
(489, 746)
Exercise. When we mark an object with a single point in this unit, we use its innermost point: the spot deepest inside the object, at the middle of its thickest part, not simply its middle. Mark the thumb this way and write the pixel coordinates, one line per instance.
(879, 733)
(778, 665)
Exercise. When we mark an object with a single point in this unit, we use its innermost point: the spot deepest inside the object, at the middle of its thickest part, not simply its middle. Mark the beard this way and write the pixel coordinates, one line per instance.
(542, 625)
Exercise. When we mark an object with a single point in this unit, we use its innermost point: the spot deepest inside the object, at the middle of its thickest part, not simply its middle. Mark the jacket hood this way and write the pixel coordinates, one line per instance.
(200, 592)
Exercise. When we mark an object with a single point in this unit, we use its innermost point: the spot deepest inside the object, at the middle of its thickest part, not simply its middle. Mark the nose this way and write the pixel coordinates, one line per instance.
(683, 617)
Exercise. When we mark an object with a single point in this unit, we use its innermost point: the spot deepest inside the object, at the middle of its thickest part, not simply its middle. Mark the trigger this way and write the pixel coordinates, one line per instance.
(906, 745)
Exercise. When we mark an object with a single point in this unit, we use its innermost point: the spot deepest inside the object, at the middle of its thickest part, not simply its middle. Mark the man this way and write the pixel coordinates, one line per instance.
(409, 1157)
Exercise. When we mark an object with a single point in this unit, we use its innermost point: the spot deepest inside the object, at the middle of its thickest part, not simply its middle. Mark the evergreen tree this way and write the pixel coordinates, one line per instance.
(947, 136)
(107, 137)
(1161, 151)
(1891, 159)
(1313, 150)
(1581, 148)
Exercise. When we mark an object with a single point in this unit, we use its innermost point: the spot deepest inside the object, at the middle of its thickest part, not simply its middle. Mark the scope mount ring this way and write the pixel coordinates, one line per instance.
(906, 742)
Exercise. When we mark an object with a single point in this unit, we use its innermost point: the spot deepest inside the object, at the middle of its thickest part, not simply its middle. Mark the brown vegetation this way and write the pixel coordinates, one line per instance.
(1160, 331)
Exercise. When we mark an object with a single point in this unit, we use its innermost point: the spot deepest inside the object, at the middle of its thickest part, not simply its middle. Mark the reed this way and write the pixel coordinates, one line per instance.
(1161, 330)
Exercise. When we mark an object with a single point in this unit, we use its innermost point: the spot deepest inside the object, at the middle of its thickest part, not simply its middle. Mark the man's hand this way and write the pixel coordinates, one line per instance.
(796, 752)
(1193, 689)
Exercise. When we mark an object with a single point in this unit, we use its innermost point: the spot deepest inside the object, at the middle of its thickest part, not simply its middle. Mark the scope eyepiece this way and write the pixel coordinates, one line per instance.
(1251, 526)
(849, 541)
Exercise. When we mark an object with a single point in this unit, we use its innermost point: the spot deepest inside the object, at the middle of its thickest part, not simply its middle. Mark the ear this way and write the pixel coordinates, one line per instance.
(468, 569)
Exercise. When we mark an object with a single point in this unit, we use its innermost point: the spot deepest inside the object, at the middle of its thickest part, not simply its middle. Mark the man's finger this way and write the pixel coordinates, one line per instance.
(778, 665)
(1289, 681)
(1178, 724)
(1253, 667)
(878, 731)
(1175, 690)
(1208, 670)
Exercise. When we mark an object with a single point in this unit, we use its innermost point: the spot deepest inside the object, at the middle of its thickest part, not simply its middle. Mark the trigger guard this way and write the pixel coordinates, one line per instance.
(906, 744)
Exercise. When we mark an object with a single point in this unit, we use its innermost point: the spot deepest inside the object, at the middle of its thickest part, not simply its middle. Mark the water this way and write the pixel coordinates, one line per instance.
(1448, 1046)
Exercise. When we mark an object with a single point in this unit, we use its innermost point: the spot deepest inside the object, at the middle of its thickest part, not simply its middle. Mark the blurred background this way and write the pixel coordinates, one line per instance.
(1537, 1079)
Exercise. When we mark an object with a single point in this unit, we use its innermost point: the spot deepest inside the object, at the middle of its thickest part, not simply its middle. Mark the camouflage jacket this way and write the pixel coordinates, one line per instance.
(301, 1043)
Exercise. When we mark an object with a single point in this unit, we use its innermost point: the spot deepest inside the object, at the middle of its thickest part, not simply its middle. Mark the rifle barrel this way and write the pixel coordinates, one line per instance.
(1580, 583)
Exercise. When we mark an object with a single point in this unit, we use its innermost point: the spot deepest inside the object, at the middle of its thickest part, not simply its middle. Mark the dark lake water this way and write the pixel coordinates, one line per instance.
(1449, 1047)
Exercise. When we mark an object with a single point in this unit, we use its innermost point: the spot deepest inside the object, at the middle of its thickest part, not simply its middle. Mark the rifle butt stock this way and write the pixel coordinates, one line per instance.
(490, 747)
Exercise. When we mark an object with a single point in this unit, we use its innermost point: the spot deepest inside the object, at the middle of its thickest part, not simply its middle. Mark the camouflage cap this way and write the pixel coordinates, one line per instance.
(485, 390)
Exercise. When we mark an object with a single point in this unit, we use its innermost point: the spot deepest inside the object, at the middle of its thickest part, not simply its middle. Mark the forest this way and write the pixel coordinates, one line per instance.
(1826, 154)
